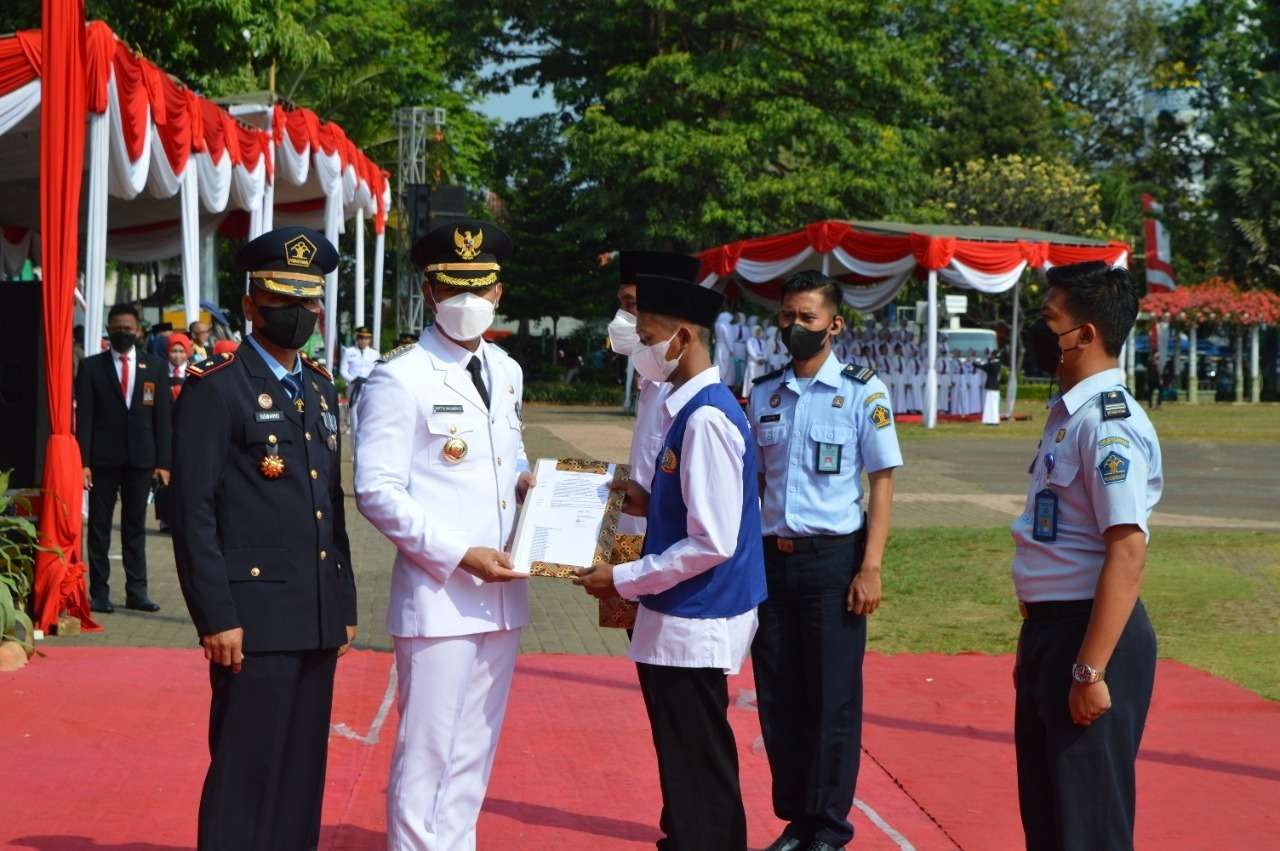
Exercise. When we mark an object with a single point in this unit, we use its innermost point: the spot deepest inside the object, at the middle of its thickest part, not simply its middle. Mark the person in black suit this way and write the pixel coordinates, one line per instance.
(260, 541)
(123, 426)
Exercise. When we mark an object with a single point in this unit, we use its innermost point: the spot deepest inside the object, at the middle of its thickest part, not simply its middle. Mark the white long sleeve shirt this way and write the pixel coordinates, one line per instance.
(711, 484)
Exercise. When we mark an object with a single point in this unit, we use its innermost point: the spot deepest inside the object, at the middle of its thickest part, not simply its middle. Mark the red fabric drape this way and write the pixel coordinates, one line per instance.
(60, 574)
(17, 64)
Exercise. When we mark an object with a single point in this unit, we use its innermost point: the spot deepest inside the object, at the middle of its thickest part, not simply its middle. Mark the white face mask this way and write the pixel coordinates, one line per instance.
(622, 333)
(464, 316)
(651, 361)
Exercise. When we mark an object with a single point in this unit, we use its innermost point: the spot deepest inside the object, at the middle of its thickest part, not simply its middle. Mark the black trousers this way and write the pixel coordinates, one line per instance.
(807, 657)
(697, 758)
(268, 740)
(132, 484)
(1076, 785)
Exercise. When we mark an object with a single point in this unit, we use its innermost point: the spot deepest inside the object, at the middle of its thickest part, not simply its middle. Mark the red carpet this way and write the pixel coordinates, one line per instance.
(104, 749)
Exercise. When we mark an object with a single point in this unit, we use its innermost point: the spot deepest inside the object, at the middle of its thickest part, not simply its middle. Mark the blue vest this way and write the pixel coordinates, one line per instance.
(733, 586)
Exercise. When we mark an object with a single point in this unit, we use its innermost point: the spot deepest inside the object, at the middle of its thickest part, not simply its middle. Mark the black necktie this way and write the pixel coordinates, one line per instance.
(290, 382)
(473, 367)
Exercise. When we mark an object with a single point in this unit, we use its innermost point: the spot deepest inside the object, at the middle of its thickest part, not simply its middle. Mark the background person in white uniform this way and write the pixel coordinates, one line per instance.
(702, 572)
(357, 362)
(724, 345)
(439, 467)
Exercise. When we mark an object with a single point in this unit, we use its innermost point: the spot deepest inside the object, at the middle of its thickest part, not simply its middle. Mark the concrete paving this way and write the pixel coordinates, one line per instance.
(977, 482)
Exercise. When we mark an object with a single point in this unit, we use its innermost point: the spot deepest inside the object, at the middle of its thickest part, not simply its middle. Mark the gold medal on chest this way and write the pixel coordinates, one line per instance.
(455, 449)
(264, 401)
(272, 465)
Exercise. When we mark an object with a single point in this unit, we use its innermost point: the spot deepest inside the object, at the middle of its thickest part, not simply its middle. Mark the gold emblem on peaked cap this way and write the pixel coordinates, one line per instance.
(299, 251)
(466, 244)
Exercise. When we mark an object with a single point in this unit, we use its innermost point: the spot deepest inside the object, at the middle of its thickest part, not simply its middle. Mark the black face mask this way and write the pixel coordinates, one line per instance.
(803, 343)
(122, 341)
(288, 327)
(1042, 342)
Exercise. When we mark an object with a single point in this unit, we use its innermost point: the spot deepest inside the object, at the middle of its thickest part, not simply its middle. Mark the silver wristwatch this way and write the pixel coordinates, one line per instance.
(1083, 674)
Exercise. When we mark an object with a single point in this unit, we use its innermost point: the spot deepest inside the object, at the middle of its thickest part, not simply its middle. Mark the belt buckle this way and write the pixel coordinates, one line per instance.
(786, 545)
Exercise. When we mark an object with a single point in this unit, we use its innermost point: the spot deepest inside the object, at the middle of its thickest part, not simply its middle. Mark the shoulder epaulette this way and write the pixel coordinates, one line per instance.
(318, 367)
(1114, 405)
(860, 374)
(396, 352)
(771, 374)
(209, 366)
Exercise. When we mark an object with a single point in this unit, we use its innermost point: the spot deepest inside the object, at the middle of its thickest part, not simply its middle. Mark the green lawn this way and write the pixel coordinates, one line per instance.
(1210, 421)
(1214, 598)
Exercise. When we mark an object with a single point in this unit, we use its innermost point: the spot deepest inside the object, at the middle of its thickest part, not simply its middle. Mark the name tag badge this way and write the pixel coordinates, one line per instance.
(829, 457)
(148, 393)
(1046, 517)
(268, 416)
(446, 409)
(771, 418)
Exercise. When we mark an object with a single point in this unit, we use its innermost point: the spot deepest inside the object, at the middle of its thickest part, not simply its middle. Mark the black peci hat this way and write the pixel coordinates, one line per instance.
(665, 263)
(679, 298)
(290, 261)
(466, 253)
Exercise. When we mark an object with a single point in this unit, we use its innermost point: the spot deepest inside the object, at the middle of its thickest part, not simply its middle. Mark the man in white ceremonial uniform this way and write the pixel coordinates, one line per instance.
(440, 465)
(701, 574)
(357, 362)
(646, 439)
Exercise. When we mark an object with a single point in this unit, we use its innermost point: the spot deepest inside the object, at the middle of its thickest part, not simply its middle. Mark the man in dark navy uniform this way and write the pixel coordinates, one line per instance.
(261, 547)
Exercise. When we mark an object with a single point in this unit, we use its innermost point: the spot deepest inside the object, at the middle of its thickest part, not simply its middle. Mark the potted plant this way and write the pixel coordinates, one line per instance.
(18, 545)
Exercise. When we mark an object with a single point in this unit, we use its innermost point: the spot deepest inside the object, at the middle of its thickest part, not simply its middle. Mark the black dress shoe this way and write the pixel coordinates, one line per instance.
(143, 606)
(105, 608)
(786, 842)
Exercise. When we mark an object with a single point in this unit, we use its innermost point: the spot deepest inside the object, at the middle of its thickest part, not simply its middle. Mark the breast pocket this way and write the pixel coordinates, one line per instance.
(833, 452)
(454, 441)
(270, 438)
(1072, 501)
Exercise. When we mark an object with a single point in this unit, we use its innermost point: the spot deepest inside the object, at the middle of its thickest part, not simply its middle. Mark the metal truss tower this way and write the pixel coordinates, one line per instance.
(417, 127)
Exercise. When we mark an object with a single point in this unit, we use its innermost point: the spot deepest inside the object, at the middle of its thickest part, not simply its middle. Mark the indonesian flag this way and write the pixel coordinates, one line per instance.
(1159, 257)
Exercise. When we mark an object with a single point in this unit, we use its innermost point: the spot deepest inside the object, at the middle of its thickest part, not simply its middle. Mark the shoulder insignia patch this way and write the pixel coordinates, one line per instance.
(1114, 468)
(873, 397)
(210, 365)
(880, 417)
(1114, 405)
(860, 374)
(396, 352)
(318, 367)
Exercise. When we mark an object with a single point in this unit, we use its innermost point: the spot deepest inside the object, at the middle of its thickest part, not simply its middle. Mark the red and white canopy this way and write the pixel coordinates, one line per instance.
(872, 261)
(166, 166)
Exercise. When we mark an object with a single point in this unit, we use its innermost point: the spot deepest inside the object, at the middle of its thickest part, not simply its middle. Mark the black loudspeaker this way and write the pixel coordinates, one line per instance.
(427, 207)
(24, 426)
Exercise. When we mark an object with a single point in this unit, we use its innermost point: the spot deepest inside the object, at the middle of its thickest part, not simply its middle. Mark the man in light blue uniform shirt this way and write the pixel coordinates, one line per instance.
(1087, 652)
(818, 426)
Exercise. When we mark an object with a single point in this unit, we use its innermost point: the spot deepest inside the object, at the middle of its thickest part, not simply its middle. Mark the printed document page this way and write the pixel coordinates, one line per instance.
(562, 516)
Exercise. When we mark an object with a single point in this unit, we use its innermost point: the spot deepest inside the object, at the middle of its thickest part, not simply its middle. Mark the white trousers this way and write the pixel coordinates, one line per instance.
(991, 407)
(452, 697)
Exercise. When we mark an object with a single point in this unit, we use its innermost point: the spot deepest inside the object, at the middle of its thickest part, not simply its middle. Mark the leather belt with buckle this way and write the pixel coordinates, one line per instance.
(810, 544)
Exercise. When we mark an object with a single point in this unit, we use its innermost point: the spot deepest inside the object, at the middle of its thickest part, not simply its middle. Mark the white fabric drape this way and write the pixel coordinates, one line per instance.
(931, 384)
(162, 180)
(873, 296)
(961, 275)
(190, 202)
(757, 271)
(379, 248)
(214, 179)
(359, 276)
(95, 240)
(155, 243)
(292, 165)
(18, 104)
(126, 177)
(898, 268)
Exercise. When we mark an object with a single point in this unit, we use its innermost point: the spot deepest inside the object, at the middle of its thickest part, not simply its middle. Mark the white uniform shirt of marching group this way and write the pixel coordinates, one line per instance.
(434, 508)
(1105, 472)
(711, 483)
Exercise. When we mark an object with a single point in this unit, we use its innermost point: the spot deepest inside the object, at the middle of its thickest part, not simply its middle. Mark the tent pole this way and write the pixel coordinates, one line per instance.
(332, 226)
(190, 201)
(359, 267)
(1015, 331)
(931, 404)
(1193, 378)
(1255, 387)
(1238, 372)
(95, 245)
(379, 251)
